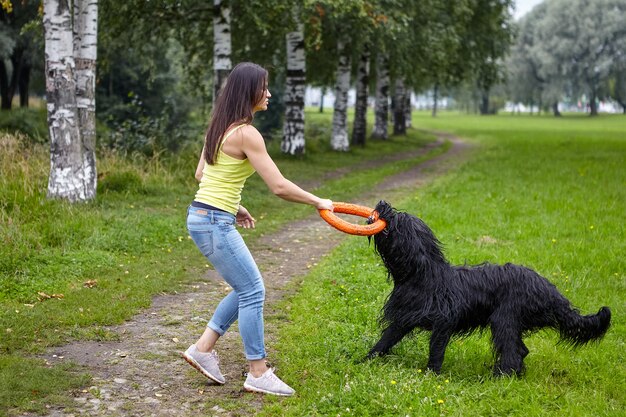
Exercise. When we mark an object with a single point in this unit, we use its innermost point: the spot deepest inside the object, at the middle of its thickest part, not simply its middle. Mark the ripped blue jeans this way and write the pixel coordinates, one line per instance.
(215, 234)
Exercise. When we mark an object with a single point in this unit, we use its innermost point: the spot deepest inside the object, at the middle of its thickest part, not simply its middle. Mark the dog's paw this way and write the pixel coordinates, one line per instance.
(372, 355)
(434, 369)
(499, 372)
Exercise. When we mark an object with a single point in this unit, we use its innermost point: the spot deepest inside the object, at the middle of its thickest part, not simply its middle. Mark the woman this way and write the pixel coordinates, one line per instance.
(233, 151)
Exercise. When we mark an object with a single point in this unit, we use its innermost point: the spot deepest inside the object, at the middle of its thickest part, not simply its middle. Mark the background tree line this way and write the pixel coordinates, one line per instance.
(567, 49)
(160, 63)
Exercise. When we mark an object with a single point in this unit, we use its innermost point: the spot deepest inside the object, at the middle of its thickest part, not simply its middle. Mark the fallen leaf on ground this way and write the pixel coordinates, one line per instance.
(43, 296)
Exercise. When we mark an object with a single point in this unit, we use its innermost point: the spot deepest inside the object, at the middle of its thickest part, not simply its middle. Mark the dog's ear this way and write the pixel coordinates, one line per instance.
(384, 210)
(381, 206)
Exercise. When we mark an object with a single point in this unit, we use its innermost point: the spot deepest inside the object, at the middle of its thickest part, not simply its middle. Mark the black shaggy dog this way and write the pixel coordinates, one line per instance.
(430, 294)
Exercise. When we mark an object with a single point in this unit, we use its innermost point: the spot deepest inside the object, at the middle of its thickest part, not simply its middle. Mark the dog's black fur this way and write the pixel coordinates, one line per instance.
(430, 294)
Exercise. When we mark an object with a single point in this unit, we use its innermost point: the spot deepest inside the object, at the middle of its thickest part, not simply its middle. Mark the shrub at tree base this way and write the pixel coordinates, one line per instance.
(120, 182)
(30, 122)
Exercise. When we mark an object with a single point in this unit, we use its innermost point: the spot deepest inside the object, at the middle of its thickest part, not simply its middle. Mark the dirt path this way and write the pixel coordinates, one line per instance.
(142, 374)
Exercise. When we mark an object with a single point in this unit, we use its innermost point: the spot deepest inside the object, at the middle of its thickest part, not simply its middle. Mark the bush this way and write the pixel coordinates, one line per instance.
(120, 182)
(131, 128)
(30, 122)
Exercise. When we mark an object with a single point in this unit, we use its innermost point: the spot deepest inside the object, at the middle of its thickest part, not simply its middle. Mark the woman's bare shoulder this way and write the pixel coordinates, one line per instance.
(251, 133)
(249, 129)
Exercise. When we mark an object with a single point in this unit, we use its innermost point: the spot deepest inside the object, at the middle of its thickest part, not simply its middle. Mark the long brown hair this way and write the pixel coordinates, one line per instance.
(244, 88)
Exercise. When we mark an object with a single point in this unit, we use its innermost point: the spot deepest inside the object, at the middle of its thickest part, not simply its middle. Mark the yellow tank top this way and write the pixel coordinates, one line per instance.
(222, 183)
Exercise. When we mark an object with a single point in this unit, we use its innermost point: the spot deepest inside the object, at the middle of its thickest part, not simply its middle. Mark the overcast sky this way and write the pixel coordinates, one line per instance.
(524, 6)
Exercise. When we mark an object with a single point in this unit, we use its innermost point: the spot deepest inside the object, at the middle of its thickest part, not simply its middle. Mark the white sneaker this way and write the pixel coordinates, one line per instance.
(208, 363)
(268, 383)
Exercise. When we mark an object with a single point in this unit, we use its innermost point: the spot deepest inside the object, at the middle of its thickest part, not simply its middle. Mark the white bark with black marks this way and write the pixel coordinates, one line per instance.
(359, 127)
(85, 54)
(339, 139)
(382, 98)
(222, 45)
(293, 142)
(70, 177)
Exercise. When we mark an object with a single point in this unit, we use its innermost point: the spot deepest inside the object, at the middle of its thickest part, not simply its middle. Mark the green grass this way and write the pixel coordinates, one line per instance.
(26, 385)
(131, 241)
(547, 193)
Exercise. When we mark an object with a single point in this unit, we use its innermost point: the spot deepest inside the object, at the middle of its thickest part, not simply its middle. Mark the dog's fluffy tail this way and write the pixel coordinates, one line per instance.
(578, 330)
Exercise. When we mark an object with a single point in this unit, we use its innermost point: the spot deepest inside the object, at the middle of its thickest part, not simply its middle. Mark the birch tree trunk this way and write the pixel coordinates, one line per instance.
(359, 127)
(339, 138)
(382, 97)
(408, 109)
(85, 53)
(399, 101)
(69, 176)
(322, 99)
(222, 46)
(293, 129)
(435, 99)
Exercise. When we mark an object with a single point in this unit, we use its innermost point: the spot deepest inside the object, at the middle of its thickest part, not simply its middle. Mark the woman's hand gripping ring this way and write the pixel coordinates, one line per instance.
(376, 226)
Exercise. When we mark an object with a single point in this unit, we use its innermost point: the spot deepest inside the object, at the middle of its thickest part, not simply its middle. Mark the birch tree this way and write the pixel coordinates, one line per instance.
(435, 99)
(359, 128)
(343, 25)
(293, 141)
(382, 97)
(399, 102)
(85, 54)
(72, 166)
(222, 45)
(339, 138)
(408, 109)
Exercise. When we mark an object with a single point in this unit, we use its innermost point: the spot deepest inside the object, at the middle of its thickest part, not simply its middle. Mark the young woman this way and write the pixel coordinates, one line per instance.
(233, 151)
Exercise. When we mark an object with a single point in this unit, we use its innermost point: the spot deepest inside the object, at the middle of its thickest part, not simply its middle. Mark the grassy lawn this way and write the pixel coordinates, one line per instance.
(67, 271)
(546, 193)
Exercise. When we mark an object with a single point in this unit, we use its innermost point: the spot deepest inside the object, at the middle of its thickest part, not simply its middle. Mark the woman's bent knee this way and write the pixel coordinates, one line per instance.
(254, 294)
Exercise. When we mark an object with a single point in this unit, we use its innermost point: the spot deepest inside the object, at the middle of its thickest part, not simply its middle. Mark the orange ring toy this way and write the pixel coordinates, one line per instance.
(351, 228)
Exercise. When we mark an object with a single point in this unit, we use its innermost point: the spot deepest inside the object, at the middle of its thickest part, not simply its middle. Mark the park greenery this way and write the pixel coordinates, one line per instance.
(154, 86)
(154, 58)
(542, 191)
